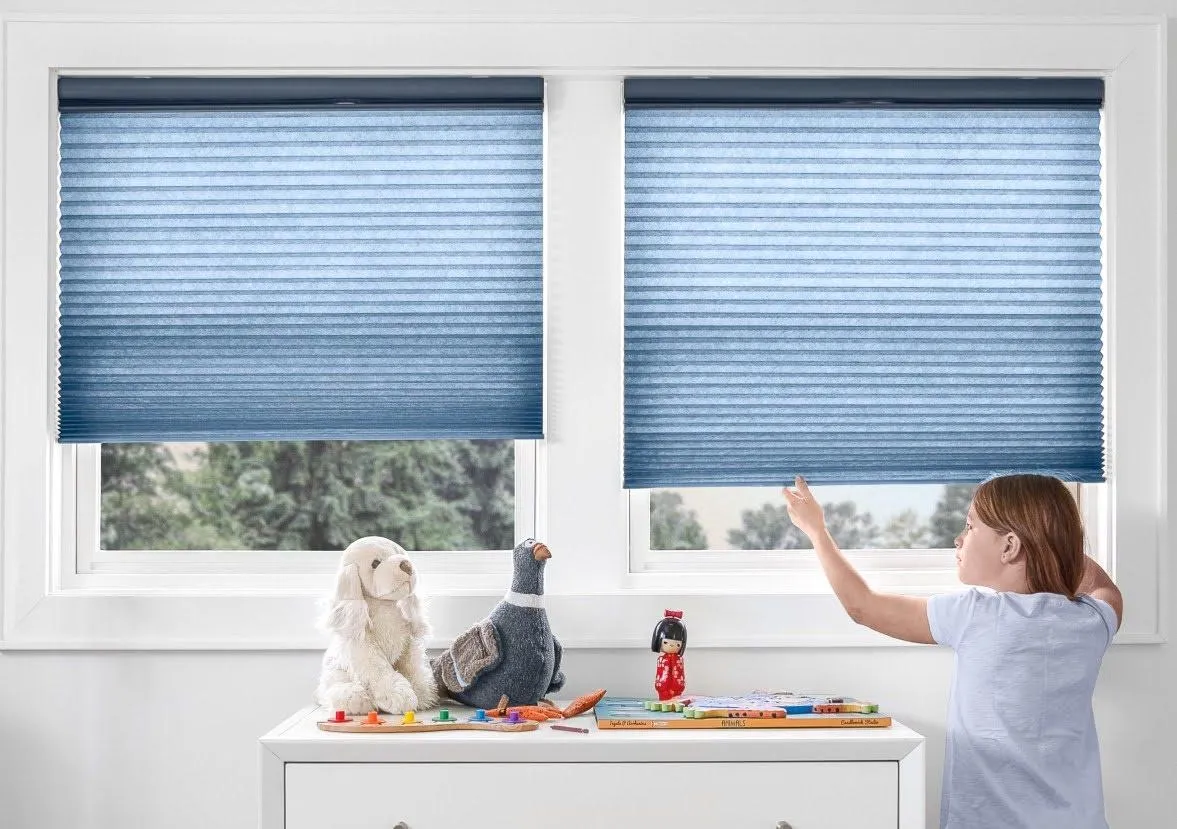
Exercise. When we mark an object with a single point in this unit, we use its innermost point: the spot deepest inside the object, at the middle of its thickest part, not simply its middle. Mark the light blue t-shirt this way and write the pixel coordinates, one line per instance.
(1022, 752)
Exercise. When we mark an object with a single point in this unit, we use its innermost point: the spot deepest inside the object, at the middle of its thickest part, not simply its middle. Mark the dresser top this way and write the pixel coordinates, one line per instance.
(299, 740)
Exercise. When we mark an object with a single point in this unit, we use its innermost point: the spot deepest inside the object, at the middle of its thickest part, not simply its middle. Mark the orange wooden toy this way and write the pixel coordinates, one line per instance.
(546, 710)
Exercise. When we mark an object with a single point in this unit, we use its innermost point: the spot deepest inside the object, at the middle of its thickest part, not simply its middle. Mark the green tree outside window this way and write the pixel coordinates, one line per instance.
(309, 495)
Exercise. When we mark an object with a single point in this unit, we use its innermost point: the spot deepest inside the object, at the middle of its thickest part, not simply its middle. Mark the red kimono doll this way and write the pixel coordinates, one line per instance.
(669, 641)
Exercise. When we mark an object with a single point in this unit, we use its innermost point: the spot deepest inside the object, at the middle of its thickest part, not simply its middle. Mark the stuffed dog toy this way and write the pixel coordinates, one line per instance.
(376, 657)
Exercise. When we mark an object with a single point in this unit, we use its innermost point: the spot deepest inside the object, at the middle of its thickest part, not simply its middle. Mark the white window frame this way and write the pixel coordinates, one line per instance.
(582, 511)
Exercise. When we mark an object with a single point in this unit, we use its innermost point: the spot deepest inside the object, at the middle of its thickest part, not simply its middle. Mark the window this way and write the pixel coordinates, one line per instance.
(596, 597)
(341, 260)
(905, 290)
(902, 290)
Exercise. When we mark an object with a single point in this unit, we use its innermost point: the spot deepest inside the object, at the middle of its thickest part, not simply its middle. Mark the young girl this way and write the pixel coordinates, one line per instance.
(1022, 751)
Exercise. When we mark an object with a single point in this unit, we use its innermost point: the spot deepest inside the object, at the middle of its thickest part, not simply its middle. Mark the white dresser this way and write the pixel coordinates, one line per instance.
(613, 779)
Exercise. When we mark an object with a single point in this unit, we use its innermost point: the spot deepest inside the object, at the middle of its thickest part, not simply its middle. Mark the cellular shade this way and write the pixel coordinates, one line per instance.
(861, 289)
(255, 260)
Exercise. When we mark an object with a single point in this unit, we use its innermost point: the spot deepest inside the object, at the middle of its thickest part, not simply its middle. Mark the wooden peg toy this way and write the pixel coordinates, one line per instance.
(444, 721)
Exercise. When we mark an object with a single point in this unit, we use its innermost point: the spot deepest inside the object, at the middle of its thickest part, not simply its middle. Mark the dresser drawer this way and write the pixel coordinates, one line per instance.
(805, 795)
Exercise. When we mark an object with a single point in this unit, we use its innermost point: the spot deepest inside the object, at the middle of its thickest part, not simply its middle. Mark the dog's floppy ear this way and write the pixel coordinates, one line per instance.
(348, 615)
(415, 615)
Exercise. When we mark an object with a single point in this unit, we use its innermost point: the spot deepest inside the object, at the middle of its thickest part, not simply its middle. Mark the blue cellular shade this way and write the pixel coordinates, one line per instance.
(301, 274)
(861, 295)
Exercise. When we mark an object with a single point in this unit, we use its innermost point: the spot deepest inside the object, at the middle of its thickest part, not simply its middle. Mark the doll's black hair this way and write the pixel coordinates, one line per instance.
(669, 628)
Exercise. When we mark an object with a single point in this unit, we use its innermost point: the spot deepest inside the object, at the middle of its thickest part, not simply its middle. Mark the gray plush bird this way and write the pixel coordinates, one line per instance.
(512, 652)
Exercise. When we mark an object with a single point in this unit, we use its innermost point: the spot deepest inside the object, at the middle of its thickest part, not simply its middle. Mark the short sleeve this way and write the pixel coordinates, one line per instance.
(949, 615)
(1106, 612)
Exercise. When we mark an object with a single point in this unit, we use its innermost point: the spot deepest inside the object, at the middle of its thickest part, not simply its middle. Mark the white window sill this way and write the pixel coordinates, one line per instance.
(254, 618)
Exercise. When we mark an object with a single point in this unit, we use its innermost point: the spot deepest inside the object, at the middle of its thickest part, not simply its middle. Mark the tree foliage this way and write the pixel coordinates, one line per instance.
(310, 495)
(853, 530)
(145, 504)
(672, 527)
(948, 518)
(426, 495)
(906, 531)
(769, 528)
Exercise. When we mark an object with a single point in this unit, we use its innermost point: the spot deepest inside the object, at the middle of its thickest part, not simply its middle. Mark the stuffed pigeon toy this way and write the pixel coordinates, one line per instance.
(510, 653)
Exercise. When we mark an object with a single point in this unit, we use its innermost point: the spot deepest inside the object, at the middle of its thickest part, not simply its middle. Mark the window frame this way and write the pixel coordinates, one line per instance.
(582, 512)
(84, 564)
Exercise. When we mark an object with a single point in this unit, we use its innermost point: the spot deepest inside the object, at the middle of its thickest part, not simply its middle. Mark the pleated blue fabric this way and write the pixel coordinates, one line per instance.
(862, 295)
(318, 273)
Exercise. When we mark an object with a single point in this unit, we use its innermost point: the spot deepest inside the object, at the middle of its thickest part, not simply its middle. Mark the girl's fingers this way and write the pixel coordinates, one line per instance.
(801, 485)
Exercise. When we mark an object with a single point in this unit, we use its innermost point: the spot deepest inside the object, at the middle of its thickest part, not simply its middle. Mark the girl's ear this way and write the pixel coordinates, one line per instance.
(1013, 549)
(348, 615)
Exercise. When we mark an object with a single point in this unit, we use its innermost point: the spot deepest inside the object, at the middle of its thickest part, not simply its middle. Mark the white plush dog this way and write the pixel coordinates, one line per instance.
(376, 657)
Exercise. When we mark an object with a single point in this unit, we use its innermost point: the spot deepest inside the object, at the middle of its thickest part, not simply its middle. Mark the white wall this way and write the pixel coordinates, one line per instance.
(117, 740)
(114, 740)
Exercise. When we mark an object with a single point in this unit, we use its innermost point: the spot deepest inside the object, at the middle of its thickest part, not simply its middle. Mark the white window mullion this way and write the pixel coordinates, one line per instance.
(526, 491)
(82, 476)
(641, 557)
(583, 252)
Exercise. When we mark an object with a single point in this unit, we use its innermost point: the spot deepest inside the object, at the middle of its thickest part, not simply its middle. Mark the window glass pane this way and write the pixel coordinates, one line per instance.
(308, 495)
(859, 517)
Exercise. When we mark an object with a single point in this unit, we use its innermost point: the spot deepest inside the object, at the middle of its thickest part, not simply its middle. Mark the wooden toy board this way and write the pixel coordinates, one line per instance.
(631, 712)
(392, 725)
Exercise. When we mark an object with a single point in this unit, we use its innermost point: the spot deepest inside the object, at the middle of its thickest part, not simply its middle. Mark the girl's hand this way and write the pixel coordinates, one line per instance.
(804, 510)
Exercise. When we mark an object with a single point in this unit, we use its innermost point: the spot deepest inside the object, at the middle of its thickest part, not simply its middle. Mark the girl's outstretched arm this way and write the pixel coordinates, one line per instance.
(903, 617)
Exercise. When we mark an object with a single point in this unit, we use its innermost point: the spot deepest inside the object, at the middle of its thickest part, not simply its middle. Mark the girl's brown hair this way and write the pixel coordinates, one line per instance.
(1042, 513)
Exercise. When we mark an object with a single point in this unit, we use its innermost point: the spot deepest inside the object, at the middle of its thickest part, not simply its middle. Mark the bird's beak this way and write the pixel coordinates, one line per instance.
(541, 552)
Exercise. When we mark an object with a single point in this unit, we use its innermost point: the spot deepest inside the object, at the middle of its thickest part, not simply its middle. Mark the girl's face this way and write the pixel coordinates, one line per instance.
(979, 552)
(671, 646)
